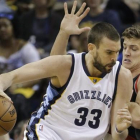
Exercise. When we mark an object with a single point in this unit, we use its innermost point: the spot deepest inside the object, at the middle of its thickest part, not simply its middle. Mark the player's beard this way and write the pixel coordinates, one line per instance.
(102, 68)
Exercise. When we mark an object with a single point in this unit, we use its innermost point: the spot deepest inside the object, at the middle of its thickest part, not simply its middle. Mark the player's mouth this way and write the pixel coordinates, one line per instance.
(127, 61)
(111, 65)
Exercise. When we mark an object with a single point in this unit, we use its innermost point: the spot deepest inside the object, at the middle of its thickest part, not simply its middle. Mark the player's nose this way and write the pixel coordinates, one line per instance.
(127, 52)
(114, 58)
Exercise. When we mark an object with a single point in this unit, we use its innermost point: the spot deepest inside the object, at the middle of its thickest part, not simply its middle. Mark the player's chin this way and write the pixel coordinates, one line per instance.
(127, 66)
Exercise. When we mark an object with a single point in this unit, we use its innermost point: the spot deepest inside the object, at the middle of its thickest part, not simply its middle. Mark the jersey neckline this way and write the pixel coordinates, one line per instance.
(85, 67)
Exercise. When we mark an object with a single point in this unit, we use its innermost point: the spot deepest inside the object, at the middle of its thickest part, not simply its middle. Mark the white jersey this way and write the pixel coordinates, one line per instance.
(80, 110)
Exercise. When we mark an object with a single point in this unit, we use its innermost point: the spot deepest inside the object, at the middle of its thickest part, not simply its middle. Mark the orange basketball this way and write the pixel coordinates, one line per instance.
(8, 116)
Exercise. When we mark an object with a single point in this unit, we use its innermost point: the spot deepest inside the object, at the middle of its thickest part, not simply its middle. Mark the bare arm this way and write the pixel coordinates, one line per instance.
(134, 108)
(4, 137)
(37, 70)
(120, 116)
(69, 26)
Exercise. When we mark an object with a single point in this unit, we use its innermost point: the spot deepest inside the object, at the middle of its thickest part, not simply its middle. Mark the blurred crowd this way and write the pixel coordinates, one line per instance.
(28, 29)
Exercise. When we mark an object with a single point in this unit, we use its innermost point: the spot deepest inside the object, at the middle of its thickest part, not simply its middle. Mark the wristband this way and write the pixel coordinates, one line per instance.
(117, 131)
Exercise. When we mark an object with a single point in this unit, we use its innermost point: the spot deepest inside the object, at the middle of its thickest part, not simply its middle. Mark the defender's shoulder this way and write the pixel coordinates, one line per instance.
(125, 73)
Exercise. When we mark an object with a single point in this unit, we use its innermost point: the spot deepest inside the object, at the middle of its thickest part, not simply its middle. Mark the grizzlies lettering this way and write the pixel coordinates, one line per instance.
(86, 94)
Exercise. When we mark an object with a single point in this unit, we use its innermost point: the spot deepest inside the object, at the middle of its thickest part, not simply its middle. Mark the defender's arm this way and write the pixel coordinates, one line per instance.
(120, 116)
(134, 108)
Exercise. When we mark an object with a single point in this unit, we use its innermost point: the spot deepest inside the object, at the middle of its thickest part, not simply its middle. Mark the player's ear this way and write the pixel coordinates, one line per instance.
(91, 47)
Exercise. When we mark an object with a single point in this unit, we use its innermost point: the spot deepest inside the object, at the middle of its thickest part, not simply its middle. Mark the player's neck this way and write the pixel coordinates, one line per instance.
(135, 72)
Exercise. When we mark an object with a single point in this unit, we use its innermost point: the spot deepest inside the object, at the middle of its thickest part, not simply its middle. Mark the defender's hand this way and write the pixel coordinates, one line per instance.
(71, 21)
(123, 120)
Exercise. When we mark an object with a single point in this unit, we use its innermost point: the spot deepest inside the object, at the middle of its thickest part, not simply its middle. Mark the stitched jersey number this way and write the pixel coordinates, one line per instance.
(82, 119)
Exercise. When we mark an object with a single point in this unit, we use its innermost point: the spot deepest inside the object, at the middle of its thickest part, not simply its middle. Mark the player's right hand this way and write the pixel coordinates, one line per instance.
(2, 94)
(70, 22)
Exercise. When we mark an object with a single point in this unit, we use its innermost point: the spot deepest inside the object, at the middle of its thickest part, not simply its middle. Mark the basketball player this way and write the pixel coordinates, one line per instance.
(131, 54)
(131, 61)
(86, 89)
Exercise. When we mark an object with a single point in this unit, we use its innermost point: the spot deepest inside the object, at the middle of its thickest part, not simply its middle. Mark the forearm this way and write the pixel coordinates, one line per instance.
(5, 81)
(24, 85)
(4, 137)
(21, 75)
(60, 44)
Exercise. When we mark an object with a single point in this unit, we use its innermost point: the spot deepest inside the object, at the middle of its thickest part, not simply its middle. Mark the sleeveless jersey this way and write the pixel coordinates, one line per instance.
(134, 133)
(135, 89)
(80, 110)
(135, 82)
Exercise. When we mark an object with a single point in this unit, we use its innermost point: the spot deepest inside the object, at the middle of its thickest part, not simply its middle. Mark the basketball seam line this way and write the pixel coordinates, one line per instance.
(4, 128)
(5, 112)
(7, 121)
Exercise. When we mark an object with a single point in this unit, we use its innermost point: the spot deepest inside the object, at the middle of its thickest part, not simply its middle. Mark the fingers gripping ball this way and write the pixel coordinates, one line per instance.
(8, 116)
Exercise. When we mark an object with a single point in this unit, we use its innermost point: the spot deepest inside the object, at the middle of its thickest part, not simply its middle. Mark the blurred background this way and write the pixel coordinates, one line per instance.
(28, 29)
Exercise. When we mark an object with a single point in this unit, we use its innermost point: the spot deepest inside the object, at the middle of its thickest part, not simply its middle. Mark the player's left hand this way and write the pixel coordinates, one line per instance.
(123, 119)
(70, 22)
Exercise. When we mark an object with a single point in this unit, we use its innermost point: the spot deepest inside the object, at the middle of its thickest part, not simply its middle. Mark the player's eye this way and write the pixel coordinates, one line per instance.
(124, 48)
(134, 49)
(109, 52)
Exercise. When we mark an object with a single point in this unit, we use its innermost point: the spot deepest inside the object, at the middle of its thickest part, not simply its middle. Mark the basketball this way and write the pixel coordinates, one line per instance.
(8, 116)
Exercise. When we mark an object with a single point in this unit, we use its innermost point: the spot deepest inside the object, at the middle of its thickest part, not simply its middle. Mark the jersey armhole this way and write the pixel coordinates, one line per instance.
(116, 82)
(136, 85)
(61, 89)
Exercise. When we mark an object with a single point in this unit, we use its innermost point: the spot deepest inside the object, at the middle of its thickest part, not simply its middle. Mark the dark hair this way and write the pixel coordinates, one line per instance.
(13, 20)
(100, 30)
(132, 32)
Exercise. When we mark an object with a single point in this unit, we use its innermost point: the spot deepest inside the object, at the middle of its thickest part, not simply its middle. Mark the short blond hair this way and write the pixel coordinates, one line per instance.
(132, 32)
